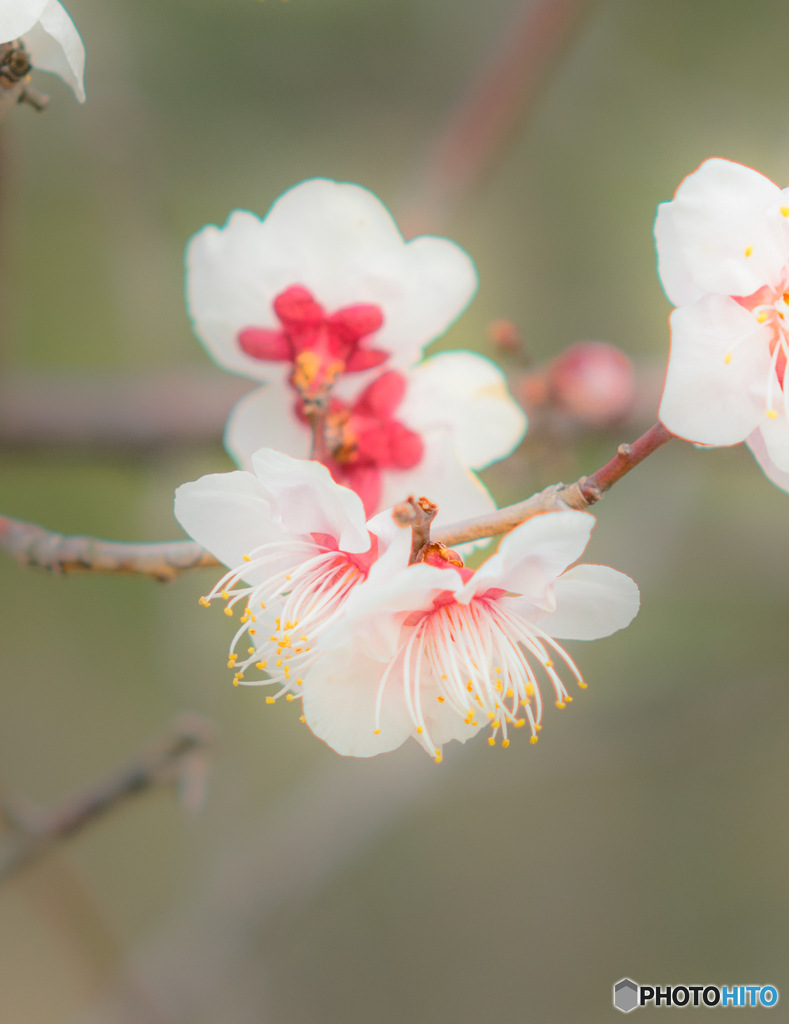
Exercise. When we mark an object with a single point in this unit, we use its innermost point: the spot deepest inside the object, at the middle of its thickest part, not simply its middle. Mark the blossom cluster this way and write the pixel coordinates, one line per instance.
(328, 308)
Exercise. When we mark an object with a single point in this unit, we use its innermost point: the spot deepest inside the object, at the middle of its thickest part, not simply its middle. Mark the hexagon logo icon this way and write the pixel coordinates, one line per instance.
(625, 995)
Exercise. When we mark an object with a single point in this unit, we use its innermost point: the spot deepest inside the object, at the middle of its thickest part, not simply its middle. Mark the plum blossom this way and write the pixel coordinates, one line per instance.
(325, 303)
(723, 258)
(50, 38)
(324, 284)
(438, 651)
(420, 431)
(297, 545)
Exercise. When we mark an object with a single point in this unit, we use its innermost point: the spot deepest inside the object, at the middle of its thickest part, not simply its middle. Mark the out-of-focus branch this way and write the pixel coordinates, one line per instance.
(188, 405)
(180, 756)
(33, 545)
(504, 87)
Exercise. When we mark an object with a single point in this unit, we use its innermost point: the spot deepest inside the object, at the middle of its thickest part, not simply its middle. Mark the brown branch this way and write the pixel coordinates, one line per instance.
(33, 545)
(579, 495)
(418, 514)
(179, 755)
(505, 86)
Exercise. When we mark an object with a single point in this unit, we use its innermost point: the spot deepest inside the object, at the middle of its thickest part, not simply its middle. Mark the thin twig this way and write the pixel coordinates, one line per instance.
(179, 755)
(33, 545)
(579, 495)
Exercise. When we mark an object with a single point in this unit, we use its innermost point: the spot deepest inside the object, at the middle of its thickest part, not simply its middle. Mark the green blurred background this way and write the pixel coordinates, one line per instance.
(648, 832)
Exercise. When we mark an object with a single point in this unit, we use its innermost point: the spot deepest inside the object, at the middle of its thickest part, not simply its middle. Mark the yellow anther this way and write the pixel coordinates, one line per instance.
(469, 686)
(785, 211)
(377, 732)
(727, 357)
(584, 686)
(304, 638)
(225, 596)
(270, 700)
(233, 658)
(772, 414)
(302, 718)
(491, 714)
(261, 665)
(250, 650)
(231, 663)
(290, 625)
(228, 611)
(252, 632)
(492, 741)
(749, 250)
(438, 759)
(249, 613)
(505, 743)
(419, 729)
(235, 682)
(290, 697)
(509, 692)
(279, 662)
(569, 699)
(299, 682)
(244, 618)
(246, 558)
(443, 677)
(277, 622)
(538, 727)
(297, 650)
(529, 690)
(560, 704)
(549, 663)
(534, 739)
(440, 700)
(288, 577)
(519, 722)
(262, 605)
(204, 602)
(499, 687)
(498, 670)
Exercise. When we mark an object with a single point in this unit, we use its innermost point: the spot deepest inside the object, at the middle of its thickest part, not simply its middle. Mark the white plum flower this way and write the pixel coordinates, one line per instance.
(723, 258)
(49, 36)
(324, 284)
(437, 651)
(297, 545)
(421, 431)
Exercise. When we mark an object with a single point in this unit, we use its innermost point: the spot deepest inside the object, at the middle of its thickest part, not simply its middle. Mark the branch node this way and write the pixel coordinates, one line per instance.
(418, 513)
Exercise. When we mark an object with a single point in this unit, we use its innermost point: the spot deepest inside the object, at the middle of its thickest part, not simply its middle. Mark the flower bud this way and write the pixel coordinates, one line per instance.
(592, 381)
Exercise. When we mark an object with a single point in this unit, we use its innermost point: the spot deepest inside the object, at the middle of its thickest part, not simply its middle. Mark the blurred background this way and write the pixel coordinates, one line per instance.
(647, 834)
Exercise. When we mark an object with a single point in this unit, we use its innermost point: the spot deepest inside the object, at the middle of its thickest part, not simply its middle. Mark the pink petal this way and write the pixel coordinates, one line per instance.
(264, 344)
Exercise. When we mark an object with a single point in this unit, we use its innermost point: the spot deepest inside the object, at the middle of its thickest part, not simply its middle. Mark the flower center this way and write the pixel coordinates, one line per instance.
(483, 661)
(306, 598)
(319, 346)
(771, 307)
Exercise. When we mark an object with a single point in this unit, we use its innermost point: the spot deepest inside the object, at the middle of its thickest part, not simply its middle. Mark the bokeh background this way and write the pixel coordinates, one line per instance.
(647, 834)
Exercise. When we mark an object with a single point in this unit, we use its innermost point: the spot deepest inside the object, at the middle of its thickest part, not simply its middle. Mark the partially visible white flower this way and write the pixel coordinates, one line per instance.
(335, 249)
(437, 651)
(297, 545)
(419, 432)
(50, 37)
(723, 257)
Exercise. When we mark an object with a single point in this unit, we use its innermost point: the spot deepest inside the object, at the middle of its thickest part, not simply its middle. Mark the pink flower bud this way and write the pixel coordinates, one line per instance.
(592, 381)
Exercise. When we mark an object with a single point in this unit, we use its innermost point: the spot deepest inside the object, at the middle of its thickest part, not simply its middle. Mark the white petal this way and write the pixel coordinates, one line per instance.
(467, 394)
(340, 696)
(374, 613)
(759, 449)
(265, 419)
(229, 514)
(338, 241)
(775, 433)
(707, 398)
(674, 274)
(55, 45)
(443, 723)
(17, 16)
(531, 557)
(307, 500)
(442, 477)
(394, 546)
(729, 228)
(591, 601)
